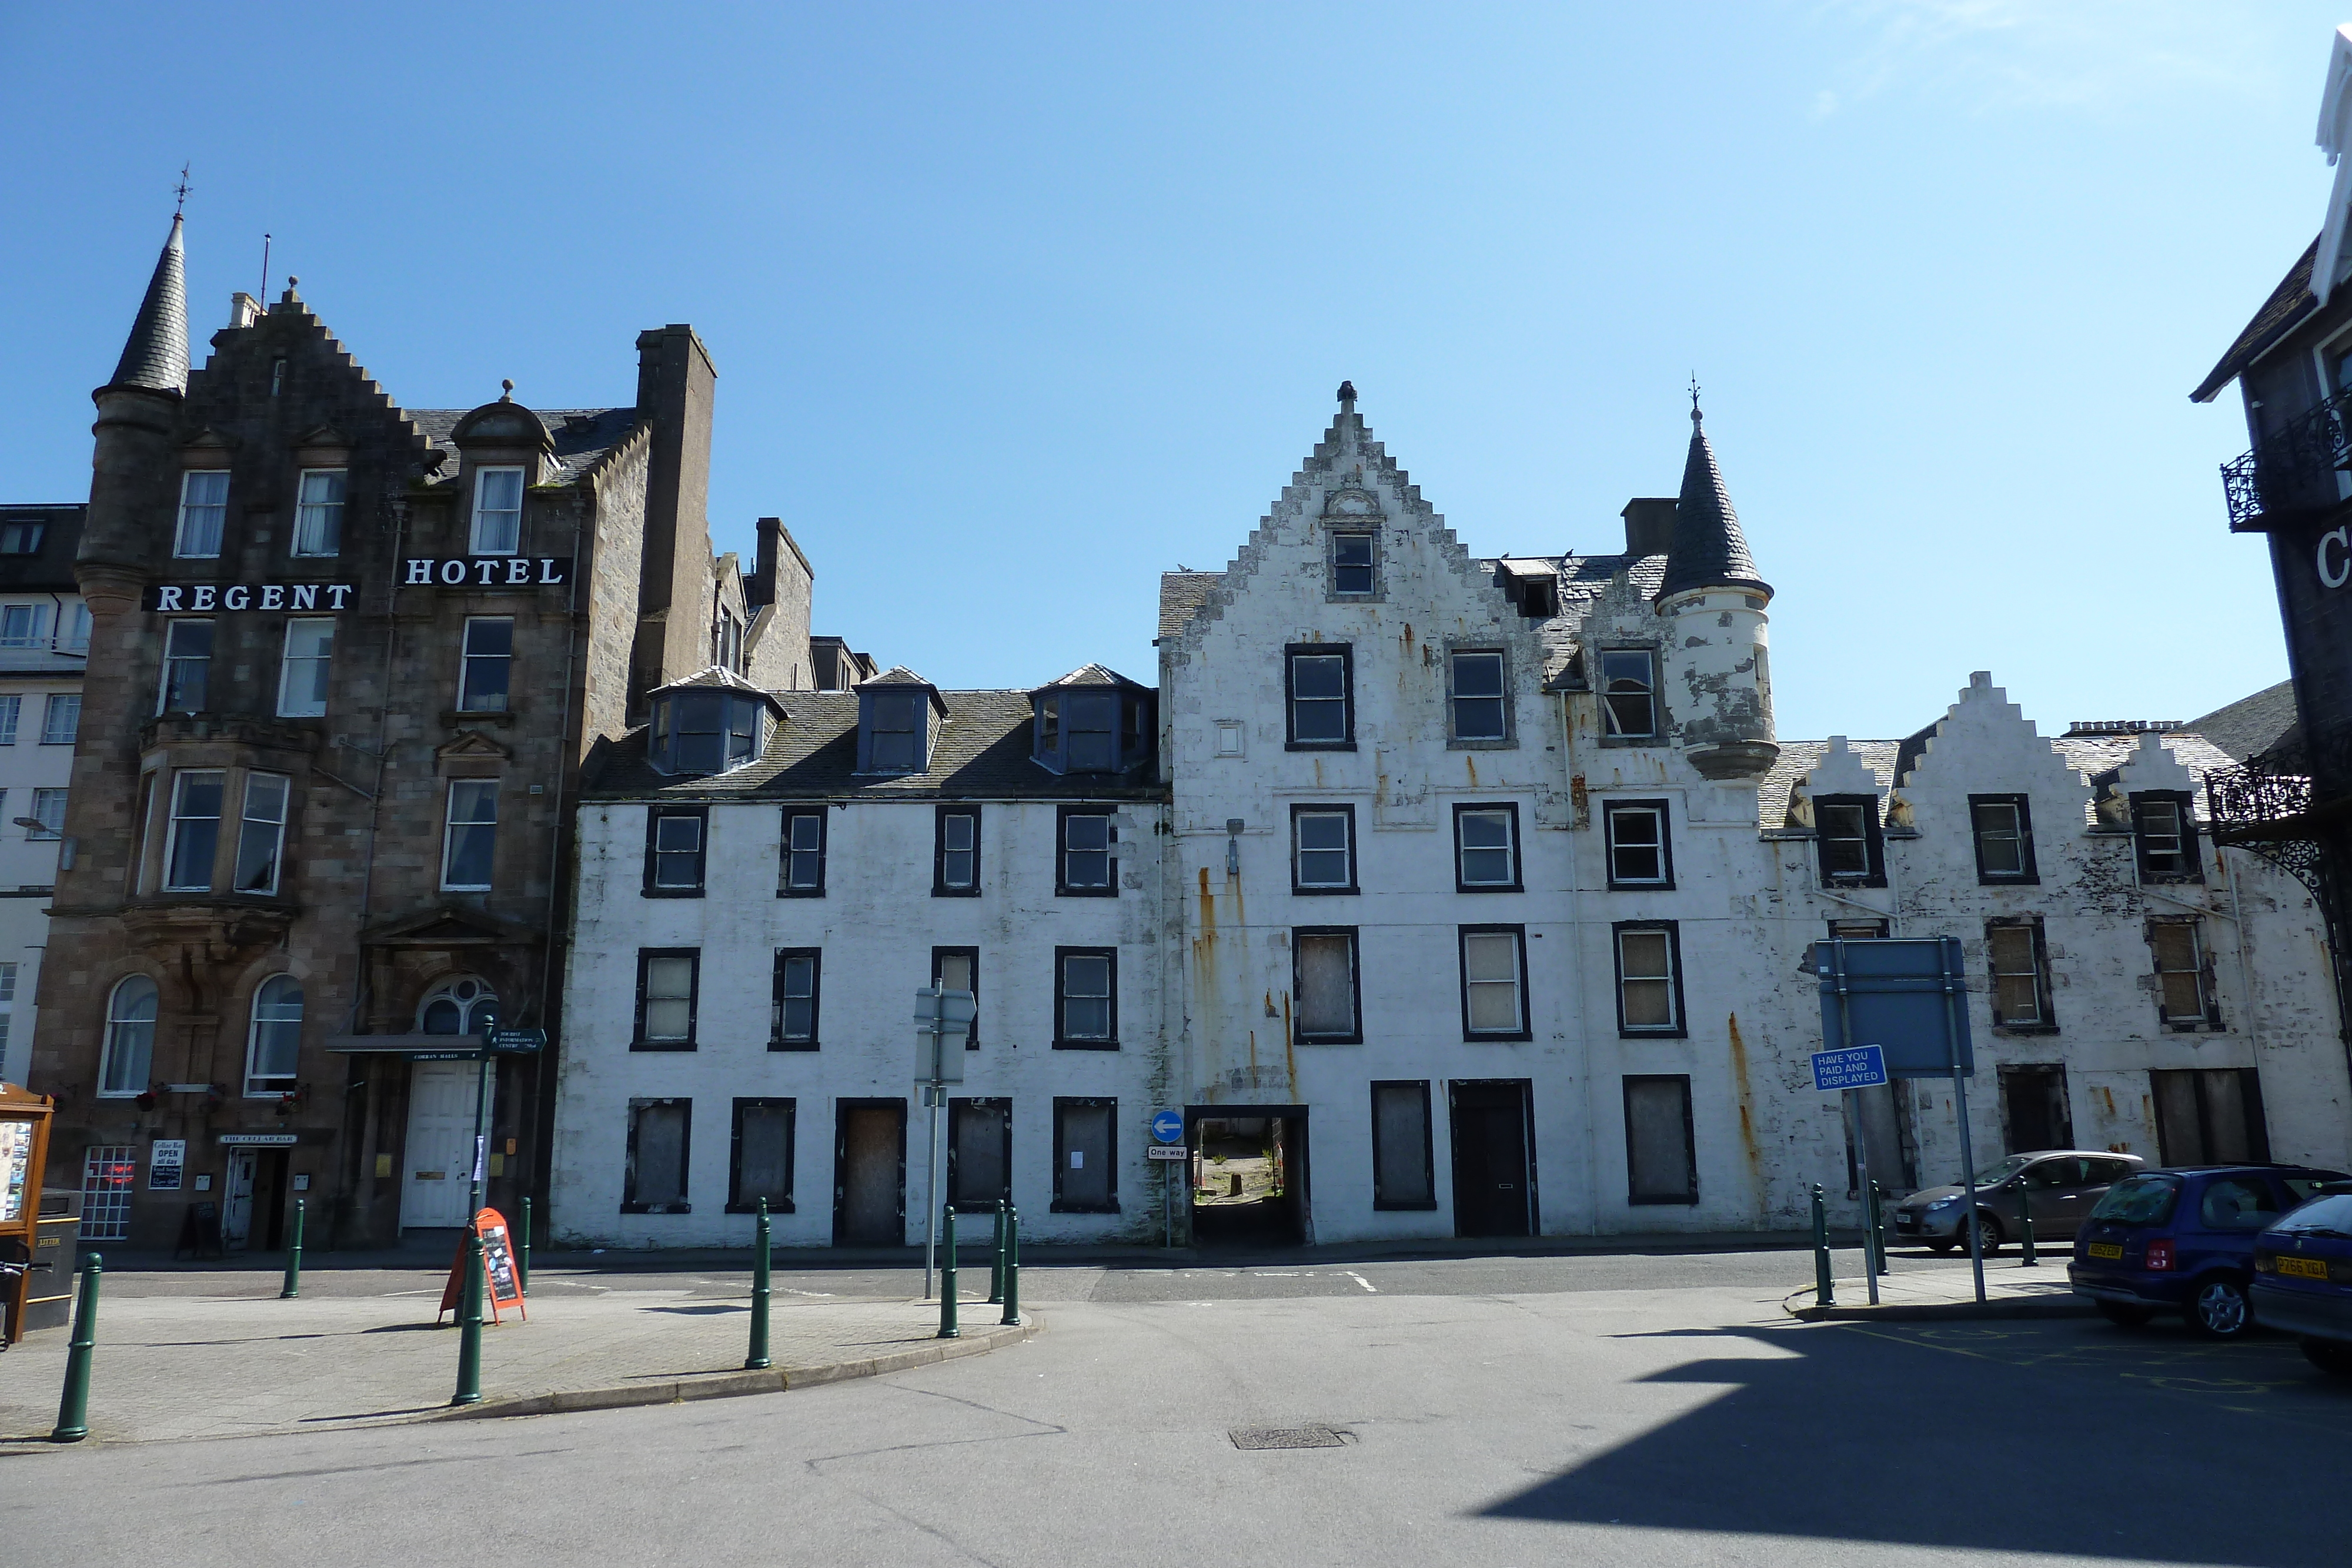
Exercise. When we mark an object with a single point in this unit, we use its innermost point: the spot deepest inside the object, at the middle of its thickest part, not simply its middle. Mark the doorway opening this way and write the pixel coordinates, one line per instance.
(253, 1213)
(2033, 1111)
(437, 1154)
(869, 1179)
(1249, 1187)
(1493, 1156)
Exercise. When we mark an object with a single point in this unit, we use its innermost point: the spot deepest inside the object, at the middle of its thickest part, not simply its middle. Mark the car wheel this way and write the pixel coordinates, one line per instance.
(2330, 1355)
(1987, 1234)
(2126, 1317)
(2219, 1310)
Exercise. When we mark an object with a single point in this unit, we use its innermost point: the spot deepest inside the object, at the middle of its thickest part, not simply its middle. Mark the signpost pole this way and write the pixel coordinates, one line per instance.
(1852, 1098)
(1952, 984)
(481, 1113)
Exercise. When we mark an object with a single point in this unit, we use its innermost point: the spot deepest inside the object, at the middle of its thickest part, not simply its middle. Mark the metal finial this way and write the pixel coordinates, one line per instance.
(1693, 391)
(1347, 394)
(506, 392)
(180, 205)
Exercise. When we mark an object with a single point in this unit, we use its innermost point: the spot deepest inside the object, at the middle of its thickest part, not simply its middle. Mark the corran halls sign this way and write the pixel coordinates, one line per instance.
(501, 571)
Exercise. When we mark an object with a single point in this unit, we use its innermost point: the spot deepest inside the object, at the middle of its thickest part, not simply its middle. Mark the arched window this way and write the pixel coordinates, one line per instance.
(275, 1047)
(129, 1038)
(460, 1006)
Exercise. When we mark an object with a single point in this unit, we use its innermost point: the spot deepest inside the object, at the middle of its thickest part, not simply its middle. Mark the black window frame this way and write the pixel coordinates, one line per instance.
(1847, 927)
(1609, 811)
(1355, 1035)
(971, 1040)
(1063, 887)
(956, 1109)
(629, 1201)
(1063, 1103)
(1346, 653)
(1634, 1197)
(1455, 739)
(1428, 1146)
(1317, 889)
(1518, 932)
(1370, 534)
(1873, 872)
(1599, 681)
(2192, 854)
(1680, 1029)
(939, 887)
(2030, 874)
(791, 1106)
(776, 1039)
(1063, 1040)
(2048, 1022)
(784, 851)
(654, 817)
(693, 955)
(1518, 873)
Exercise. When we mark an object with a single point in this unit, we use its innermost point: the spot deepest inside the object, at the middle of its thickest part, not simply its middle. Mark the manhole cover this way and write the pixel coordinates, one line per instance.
(1286, 1438)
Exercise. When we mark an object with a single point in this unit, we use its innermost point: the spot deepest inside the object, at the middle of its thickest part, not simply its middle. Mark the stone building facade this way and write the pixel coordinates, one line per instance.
(348, 659)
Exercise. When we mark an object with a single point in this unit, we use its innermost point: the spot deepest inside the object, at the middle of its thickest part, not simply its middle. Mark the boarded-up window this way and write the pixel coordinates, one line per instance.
(762, 1161)
(2020, 993)
(2209, 1116)
(1326, 985)
(2182, 995)
(980, 1153)
(1659, 1168)
(1401, 1174)
(1085, 1176)
(655, 1180)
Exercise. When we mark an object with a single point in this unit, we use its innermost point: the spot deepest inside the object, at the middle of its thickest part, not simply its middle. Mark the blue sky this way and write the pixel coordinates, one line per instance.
(1014, 305)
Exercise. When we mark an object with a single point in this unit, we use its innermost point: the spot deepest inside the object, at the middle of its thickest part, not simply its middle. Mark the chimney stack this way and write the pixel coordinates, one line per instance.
(1649, 525)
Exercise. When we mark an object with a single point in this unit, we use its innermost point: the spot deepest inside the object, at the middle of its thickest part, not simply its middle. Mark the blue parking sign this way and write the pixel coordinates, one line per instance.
(1855, 1067)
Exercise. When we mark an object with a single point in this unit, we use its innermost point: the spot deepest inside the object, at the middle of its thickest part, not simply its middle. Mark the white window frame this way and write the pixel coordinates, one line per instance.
(193, 510)
(1666, 978)
(12, 709)
(180, 781)
(110, 1084)
(1462, 849)
(66, 703)
(1514, 939)
(254, 831)
(316, 669)
(467, 658)
(172, 632)
(1614, 812)
(477, 544)
(75, 639)
(259, 1085)
(49, 810)
(311, 515)
(1301, 849)
(24, 626)
(476, 790)
(1611, 726)
(1455, 698)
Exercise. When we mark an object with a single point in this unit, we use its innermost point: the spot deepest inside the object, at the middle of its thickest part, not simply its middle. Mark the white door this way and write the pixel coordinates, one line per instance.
(236, 1204)
(438, 1156)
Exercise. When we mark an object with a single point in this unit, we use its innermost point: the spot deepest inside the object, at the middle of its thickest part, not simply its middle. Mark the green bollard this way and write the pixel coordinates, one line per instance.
(523, 1260)
(469, 1326)
(293, 1285)
(996, 1259)
(947, 1329)
(1824, 1293)
(1011, 1266)
(73, 1406)
(758, 1359)
(2025, 1228)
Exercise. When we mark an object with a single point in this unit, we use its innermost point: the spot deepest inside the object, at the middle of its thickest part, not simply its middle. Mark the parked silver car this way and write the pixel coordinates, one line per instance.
(2060, 1186)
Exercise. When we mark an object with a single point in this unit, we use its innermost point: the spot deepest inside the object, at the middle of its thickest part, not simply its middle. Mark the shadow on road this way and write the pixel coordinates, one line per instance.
(2045, 1438)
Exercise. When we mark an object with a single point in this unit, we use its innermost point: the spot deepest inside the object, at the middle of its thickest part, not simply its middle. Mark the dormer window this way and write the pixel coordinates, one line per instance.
(898, 744)
(498, 511)
(1092, 721)
(704, 729)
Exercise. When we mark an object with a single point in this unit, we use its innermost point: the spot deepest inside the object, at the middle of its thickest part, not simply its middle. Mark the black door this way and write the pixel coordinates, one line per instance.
(1494, 1177)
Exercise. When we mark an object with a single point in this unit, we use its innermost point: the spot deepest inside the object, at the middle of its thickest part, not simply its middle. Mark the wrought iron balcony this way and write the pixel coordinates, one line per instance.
(2267, 813)
(2294, 471)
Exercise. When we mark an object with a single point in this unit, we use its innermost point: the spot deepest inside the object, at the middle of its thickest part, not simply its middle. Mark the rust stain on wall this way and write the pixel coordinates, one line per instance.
(1289, 1048)
(1748, 1143)
(1471, 763)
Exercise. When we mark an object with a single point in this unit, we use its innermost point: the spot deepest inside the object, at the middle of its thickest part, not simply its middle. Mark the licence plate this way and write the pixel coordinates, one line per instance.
(2105, 1249)
(1907, 1222)
(2303, 1268)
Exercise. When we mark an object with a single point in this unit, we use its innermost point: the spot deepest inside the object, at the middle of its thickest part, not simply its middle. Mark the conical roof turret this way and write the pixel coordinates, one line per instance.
(156, 356)
(1708, 550)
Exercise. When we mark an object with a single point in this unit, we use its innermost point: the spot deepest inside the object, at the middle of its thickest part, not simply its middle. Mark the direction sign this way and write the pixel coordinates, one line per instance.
(518, 1041)
(942, 1023)
(1166, 1152)
(1168, 1126)
(1856, 1067)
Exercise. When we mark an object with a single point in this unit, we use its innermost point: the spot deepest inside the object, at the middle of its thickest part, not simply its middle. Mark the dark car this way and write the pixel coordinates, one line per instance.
(2182, 1241)
(2302, 1279)
(2059, 1186)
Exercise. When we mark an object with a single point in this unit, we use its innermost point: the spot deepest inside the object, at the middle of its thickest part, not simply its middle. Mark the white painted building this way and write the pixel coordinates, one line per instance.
(44, 647)
(766, 880)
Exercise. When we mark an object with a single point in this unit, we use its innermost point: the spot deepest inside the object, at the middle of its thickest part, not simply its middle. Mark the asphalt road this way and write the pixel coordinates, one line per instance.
(1588, 1410)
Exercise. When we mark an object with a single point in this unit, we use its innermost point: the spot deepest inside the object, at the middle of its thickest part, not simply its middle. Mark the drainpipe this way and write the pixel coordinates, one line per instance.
(1580, 1002)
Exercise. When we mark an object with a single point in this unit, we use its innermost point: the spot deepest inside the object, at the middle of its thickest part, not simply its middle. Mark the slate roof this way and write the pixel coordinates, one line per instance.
(2289, 303)
(1095, 676)
(2264, 725)
(983, 753)
(1182, 594)
(50, 569)
(1709, 551)
(1892, 760)
(156, 356)
(581, 436)
(1799, 758)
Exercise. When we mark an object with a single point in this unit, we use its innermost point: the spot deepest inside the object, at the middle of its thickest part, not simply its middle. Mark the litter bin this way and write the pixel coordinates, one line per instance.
(49, 1282)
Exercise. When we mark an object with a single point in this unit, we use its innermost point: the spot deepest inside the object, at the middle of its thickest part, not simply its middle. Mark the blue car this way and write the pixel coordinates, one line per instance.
(2302, 1279)
(2182, 1240)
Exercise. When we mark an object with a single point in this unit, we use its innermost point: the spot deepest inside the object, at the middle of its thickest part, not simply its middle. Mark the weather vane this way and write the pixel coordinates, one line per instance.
(1693, 391)
(182, 192)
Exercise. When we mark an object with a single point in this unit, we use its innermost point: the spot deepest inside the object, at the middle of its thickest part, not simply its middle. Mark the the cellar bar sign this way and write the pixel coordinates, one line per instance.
(486, 570)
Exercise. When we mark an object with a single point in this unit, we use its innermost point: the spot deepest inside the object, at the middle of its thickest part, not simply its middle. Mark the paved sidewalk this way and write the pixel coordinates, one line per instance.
(2011, 1291)
(241, 1361)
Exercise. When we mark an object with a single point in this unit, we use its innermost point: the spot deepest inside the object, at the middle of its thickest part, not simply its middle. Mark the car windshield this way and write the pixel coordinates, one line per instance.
(2330, 1216)
(2139, 1200)
(1994, 1175)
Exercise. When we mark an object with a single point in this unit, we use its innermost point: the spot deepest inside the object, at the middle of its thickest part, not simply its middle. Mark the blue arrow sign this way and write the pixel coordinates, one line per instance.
(1856, 1067)
(1168, 1126)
